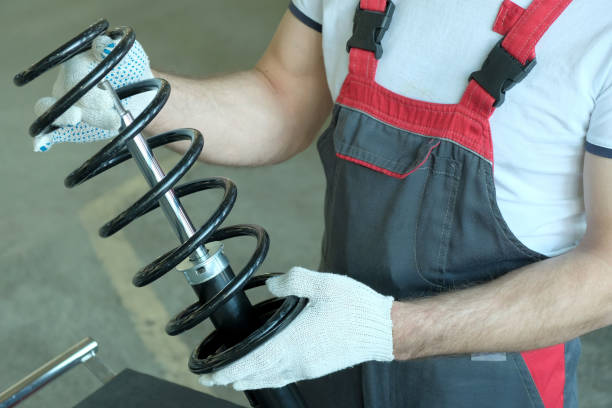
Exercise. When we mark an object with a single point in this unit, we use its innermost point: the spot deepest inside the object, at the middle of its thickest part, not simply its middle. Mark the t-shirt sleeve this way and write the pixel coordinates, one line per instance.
(309, 12)
(599, 135)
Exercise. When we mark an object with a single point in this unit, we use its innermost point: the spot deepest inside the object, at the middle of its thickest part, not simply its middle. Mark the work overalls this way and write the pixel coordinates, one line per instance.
(410, 210)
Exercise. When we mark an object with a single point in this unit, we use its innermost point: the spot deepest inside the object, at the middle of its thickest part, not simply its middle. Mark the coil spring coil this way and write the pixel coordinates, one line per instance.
(273, 314)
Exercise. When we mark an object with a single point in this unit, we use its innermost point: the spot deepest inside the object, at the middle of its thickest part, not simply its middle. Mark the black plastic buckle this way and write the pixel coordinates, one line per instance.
(500, 72)
(369, 28)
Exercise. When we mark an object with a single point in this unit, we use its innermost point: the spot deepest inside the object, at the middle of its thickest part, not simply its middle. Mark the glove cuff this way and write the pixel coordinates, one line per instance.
(373, 333)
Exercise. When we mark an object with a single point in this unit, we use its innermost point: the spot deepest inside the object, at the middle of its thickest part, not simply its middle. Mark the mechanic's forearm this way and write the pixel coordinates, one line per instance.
(545, 303)
(240, 115)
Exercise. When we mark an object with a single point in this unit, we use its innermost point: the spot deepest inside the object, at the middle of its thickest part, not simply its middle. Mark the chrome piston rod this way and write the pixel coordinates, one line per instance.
(203, 266)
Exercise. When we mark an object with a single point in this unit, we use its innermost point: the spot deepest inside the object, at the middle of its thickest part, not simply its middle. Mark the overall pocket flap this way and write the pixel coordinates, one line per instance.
(372, 144)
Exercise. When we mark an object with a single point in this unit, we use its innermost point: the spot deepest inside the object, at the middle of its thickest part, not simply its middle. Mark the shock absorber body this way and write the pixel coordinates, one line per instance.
(240, 326)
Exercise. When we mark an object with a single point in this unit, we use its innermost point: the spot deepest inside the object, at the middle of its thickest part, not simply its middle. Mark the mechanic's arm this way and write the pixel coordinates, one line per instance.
(542, 304)
(261, 116)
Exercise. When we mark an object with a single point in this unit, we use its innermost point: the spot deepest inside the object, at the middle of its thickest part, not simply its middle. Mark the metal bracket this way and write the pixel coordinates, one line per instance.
(82, 352)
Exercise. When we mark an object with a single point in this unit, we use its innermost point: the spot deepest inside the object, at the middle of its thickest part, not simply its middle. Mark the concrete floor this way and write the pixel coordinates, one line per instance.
(61, 282)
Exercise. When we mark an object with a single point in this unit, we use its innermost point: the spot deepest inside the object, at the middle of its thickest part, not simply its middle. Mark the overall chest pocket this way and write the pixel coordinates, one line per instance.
(389, 204)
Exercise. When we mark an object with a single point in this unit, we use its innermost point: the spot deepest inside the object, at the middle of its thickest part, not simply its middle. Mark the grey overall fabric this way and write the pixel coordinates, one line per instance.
(437, 229)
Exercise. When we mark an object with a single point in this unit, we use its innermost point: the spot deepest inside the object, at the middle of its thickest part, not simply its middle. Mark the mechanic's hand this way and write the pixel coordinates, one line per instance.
(345, 323)
(93, 116)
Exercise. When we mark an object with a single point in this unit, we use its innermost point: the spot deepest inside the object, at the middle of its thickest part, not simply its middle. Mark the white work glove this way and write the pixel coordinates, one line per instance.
(344, 323)
(93, 116)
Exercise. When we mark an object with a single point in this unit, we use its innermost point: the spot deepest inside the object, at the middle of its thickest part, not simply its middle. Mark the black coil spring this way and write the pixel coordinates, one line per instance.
(273, 315)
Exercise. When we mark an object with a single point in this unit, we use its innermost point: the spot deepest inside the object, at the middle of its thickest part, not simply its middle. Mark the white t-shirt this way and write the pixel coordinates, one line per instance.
(539, 133)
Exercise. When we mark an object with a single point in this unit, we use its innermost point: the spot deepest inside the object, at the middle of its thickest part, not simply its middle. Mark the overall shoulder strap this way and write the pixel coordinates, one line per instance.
(523, 37)
(508, 63)
(371, 21)
(514, 56)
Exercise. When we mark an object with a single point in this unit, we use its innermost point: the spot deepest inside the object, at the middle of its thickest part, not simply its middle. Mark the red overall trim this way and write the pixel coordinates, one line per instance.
(465, 123)
(547, 368)
(457, 123)
(529, 29)
(508, 16)
(385, 171)
(362, 64)
(373, 5)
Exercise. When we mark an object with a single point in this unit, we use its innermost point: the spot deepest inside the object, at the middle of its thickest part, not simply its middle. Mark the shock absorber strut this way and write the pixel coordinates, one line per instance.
(240, 326)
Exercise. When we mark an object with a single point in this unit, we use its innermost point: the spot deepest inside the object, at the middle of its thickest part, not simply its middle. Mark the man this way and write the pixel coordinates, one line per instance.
(465, 267)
